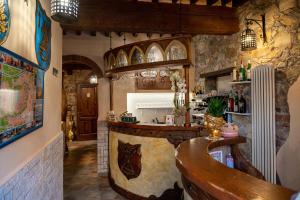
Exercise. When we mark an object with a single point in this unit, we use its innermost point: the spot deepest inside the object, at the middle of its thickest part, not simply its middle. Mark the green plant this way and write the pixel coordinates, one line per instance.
(216, 107)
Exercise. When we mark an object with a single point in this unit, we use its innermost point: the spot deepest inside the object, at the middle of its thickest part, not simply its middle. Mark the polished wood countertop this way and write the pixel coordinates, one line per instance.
(160, 127)
(219, 181)
(174, 134)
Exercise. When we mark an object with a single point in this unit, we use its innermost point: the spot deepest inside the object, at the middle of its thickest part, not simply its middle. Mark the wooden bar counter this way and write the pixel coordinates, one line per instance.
(205, 178)
(142, 162)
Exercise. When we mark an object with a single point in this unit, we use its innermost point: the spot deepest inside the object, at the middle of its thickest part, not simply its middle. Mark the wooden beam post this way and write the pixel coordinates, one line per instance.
(111, 94)
(187, 95)
(148, 17)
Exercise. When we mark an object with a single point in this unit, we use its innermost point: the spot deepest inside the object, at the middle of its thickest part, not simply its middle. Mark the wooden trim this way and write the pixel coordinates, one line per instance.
(147, 17)
(148, 66)
(170, 194)
(187, 95)
(124, 192)
(219, 73)
(175, 135)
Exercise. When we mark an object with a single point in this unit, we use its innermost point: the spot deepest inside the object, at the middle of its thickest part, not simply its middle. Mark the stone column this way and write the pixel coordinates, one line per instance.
(102, 148)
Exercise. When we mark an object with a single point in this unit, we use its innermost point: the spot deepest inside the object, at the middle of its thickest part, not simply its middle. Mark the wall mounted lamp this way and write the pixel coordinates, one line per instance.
(248, 36)
(64, 11)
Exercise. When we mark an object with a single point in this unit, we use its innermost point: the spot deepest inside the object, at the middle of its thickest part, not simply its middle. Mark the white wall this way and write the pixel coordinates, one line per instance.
(21, 40)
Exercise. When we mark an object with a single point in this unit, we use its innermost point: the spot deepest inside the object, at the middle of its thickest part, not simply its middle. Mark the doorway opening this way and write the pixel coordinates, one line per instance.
(80, 98)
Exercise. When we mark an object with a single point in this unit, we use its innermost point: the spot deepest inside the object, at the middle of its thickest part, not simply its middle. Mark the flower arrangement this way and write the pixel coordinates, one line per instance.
(179, 88)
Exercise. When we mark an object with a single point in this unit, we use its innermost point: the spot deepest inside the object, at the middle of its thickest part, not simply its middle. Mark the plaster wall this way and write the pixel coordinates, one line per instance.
(21, 40)
(158, 173)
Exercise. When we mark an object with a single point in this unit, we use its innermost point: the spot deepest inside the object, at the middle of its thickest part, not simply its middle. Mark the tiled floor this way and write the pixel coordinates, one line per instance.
(81, 181)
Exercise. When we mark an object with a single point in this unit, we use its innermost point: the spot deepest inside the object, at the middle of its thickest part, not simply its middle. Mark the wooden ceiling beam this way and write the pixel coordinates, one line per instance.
(193, 1)
(147, 17)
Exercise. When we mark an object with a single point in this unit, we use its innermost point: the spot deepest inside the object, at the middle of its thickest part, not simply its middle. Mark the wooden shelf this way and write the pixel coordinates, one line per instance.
(241, 114)
(219, 73)
(171, 63)
(240, 82)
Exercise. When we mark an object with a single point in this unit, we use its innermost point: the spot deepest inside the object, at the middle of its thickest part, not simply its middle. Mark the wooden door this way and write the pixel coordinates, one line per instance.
(87, 112)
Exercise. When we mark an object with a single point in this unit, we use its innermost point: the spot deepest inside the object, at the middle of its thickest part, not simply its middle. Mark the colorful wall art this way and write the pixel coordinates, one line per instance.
(4, 21)
(21, 96)
(42, 37)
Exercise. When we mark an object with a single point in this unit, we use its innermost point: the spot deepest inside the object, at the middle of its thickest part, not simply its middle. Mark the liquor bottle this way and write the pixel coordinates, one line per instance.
(230, 102)
(236, 103)
(234, 73)
(242, 105)
(229, 161)
(249, 71)
(242, 76)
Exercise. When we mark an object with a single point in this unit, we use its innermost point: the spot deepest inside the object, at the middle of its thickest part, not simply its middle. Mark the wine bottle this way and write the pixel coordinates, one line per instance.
(234, 73)
(236, 102)
(242, 105)
(230, 102)
(242, 76)
(249, 71)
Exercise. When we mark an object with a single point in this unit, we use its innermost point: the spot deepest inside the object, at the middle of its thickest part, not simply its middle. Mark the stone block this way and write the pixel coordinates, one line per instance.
(282, 40)
(287, 5)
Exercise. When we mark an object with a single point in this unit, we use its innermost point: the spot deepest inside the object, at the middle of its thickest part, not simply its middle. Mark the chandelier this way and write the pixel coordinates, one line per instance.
(64, 11)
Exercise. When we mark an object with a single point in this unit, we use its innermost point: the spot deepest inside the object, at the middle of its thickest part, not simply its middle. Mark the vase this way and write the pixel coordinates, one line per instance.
(214, 126)
(179, 120)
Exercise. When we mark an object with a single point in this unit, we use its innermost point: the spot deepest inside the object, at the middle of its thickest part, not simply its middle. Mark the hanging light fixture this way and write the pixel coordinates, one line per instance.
(248, 36)
(64, 11)
(93, 79)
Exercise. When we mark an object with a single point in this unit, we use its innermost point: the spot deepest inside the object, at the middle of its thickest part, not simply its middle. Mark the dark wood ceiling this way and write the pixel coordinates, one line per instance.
(157, 16)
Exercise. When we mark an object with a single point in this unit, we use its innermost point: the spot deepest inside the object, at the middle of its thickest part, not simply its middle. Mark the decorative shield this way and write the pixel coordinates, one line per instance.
(4, 20)
(129, 159)
(42, 36)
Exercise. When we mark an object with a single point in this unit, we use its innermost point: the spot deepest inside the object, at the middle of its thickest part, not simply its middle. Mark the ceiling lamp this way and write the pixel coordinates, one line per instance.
(64, 11)
(248, 36)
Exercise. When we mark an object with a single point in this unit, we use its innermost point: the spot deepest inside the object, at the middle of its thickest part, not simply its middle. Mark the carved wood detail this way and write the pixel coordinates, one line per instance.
(129, 159)
(173, 136)
(175, 193)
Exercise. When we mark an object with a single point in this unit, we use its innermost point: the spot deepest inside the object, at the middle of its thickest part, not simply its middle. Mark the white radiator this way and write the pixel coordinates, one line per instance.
(263, 121)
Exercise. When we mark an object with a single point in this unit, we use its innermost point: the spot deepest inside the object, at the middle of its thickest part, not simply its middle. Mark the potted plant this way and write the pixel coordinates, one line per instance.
(214, 120)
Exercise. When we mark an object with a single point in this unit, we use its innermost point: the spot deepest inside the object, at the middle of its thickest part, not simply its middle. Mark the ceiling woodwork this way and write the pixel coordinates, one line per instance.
(147, 17)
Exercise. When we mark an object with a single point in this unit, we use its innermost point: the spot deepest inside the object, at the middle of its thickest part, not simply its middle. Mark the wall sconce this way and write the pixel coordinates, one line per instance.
(64, 11)
(93, 79)
(248, 36)
(26, 1)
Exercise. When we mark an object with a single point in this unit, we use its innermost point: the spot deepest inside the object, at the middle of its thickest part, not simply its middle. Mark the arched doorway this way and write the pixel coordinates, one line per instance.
(80, 98)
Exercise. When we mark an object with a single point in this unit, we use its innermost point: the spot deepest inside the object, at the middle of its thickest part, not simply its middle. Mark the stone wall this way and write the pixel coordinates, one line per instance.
(102, 148)
(41, 178)
(70, 82)
(282, 51)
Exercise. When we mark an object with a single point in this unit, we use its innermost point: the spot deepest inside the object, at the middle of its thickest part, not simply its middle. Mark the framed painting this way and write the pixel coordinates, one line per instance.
(42, 37)
(4, 20)
(21, 97)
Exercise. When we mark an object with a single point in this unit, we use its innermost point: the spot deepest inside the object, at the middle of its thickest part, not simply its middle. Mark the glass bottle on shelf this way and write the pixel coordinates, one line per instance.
(236, 102)
(230, 102)
(249, 71)
(234, 73)
(242, 74)
(242, 105)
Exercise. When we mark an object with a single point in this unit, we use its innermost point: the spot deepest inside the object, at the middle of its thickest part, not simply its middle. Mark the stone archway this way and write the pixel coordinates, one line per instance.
(77, 59)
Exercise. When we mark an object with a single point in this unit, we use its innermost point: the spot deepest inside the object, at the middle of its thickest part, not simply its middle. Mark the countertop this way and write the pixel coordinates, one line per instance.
(219, 181)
